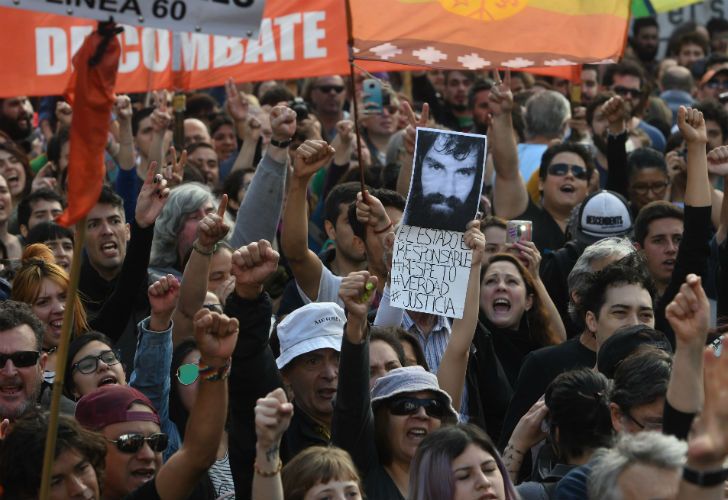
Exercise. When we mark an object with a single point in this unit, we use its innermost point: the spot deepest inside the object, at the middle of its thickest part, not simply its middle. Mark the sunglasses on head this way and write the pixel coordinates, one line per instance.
(20, 359)
(188, 373)
(90, 364)
(561, 169)
(328, 88)
(624, 91)
(131, 443)
(410, 406)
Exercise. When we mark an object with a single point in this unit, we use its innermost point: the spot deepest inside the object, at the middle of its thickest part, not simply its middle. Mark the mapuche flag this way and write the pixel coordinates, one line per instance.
(91, 93)
(481, 34)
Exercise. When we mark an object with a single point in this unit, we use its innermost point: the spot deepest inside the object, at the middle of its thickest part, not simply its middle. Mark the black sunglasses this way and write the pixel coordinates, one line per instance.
(409, 406)
(21, 359)
(623, 91)
(89, 364)
(328, 88)
(561, 169)
(131, 443)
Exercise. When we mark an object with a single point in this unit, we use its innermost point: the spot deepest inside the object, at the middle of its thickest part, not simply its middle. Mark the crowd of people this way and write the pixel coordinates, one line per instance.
(233, 334)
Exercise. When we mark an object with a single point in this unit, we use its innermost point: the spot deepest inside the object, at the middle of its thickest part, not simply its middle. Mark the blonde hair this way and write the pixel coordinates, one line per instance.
(38, 263)
(317, 464)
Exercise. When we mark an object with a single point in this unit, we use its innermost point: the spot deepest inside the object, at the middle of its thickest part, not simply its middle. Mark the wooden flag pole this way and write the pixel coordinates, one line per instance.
(66, 330)
(352, 90)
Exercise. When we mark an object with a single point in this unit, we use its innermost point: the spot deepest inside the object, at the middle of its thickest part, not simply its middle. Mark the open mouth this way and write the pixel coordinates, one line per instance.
(11, 390)
(110, 249)
(108, 380)
(567, 188)
(417, 433)
(327, 393)
(501, 305)
(669, 263)
(145, 474)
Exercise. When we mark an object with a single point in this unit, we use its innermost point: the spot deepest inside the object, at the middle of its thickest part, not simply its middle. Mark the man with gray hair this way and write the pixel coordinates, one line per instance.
(547, 114)
(542, 366)
(642, 465)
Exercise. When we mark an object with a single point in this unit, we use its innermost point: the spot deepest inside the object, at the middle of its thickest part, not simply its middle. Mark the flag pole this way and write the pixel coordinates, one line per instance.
(66, 331)
(352, 90)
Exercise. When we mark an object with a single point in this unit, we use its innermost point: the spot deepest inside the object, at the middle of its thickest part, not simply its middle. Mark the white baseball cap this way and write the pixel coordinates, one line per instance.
(602, 215)
(318, 325)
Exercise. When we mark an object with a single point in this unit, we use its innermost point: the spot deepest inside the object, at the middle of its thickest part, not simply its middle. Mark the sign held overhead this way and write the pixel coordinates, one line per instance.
(239, 18)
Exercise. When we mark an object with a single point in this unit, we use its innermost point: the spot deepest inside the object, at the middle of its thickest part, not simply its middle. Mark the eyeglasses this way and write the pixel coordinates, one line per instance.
(132, 443)
(561, 169)
(328, 88)
(409, 406)
(90, 364)
(624, 91)
(20, 359)
(188, 373)
(655, 187)
(650, 426)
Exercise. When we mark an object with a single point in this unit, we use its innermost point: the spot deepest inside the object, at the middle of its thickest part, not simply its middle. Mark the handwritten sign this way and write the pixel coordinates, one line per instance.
(430, 270)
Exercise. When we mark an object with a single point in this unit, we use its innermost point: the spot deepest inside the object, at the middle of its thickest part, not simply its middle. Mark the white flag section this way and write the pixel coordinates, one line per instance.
(239, 18)
(430, 270)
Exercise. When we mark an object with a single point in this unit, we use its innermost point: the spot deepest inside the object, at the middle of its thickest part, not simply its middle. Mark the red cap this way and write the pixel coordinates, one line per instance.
(110, 404)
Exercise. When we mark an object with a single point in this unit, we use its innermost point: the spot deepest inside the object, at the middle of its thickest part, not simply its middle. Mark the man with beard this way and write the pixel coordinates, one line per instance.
(16, 120)
(645, 42)
(479, 104)
(452, 109)
(447, 175)
(21, 359)
(599, 129)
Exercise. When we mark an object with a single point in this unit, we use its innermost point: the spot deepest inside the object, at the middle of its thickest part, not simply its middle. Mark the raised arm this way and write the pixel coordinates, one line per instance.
(306, 266)
(532, 257)
(273, 415)
(708, 444)
(210, 231)
(260, 211)
(718, 164)
(618, 176)
(405, 172)
(216, 335)
(451, 374)
(161, 119)
(510, 195)
(123, 111)
(689, 316)
(692, 126)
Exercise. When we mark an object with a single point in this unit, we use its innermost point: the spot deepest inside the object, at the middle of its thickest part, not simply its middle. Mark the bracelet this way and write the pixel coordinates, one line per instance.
(384, 230)
(281, 144)
(214, 373)
(268, 474)
(705, 479)
(203, 252)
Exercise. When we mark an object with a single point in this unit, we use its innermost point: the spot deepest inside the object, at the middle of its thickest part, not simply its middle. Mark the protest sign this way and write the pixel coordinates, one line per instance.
(431, 262)
(239, 18)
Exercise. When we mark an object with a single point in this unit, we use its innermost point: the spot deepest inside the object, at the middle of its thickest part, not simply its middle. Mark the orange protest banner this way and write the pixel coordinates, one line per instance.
(477, 34)
(297, 39)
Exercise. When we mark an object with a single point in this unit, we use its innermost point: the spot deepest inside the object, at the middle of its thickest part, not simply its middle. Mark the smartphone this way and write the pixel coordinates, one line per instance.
(373, 102)
(518, 230)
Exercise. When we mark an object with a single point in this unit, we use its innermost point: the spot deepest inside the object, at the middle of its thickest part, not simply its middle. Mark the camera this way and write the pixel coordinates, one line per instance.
(300, 107)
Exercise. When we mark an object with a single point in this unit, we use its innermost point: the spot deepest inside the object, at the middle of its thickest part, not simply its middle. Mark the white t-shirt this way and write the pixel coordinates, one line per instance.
(328, 290)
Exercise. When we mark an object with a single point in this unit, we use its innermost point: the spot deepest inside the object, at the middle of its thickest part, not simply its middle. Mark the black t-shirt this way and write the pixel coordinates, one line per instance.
(147, 491)
(539, 369)
(546, 233)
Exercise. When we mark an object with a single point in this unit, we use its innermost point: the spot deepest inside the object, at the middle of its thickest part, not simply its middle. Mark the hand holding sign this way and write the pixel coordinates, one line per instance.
(372, 213)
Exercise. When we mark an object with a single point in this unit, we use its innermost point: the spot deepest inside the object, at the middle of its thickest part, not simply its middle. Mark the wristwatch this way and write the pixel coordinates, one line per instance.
(705, 478)
(281, 144)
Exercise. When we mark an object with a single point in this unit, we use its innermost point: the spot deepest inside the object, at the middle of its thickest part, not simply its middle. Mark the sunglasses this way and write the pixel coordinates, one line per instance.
(132, 443)
(90, 364)
(410, 406)
(20, 359)
(623, 91)
(561, 169)
(188, 373)
(717, 84)
(328, 88)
